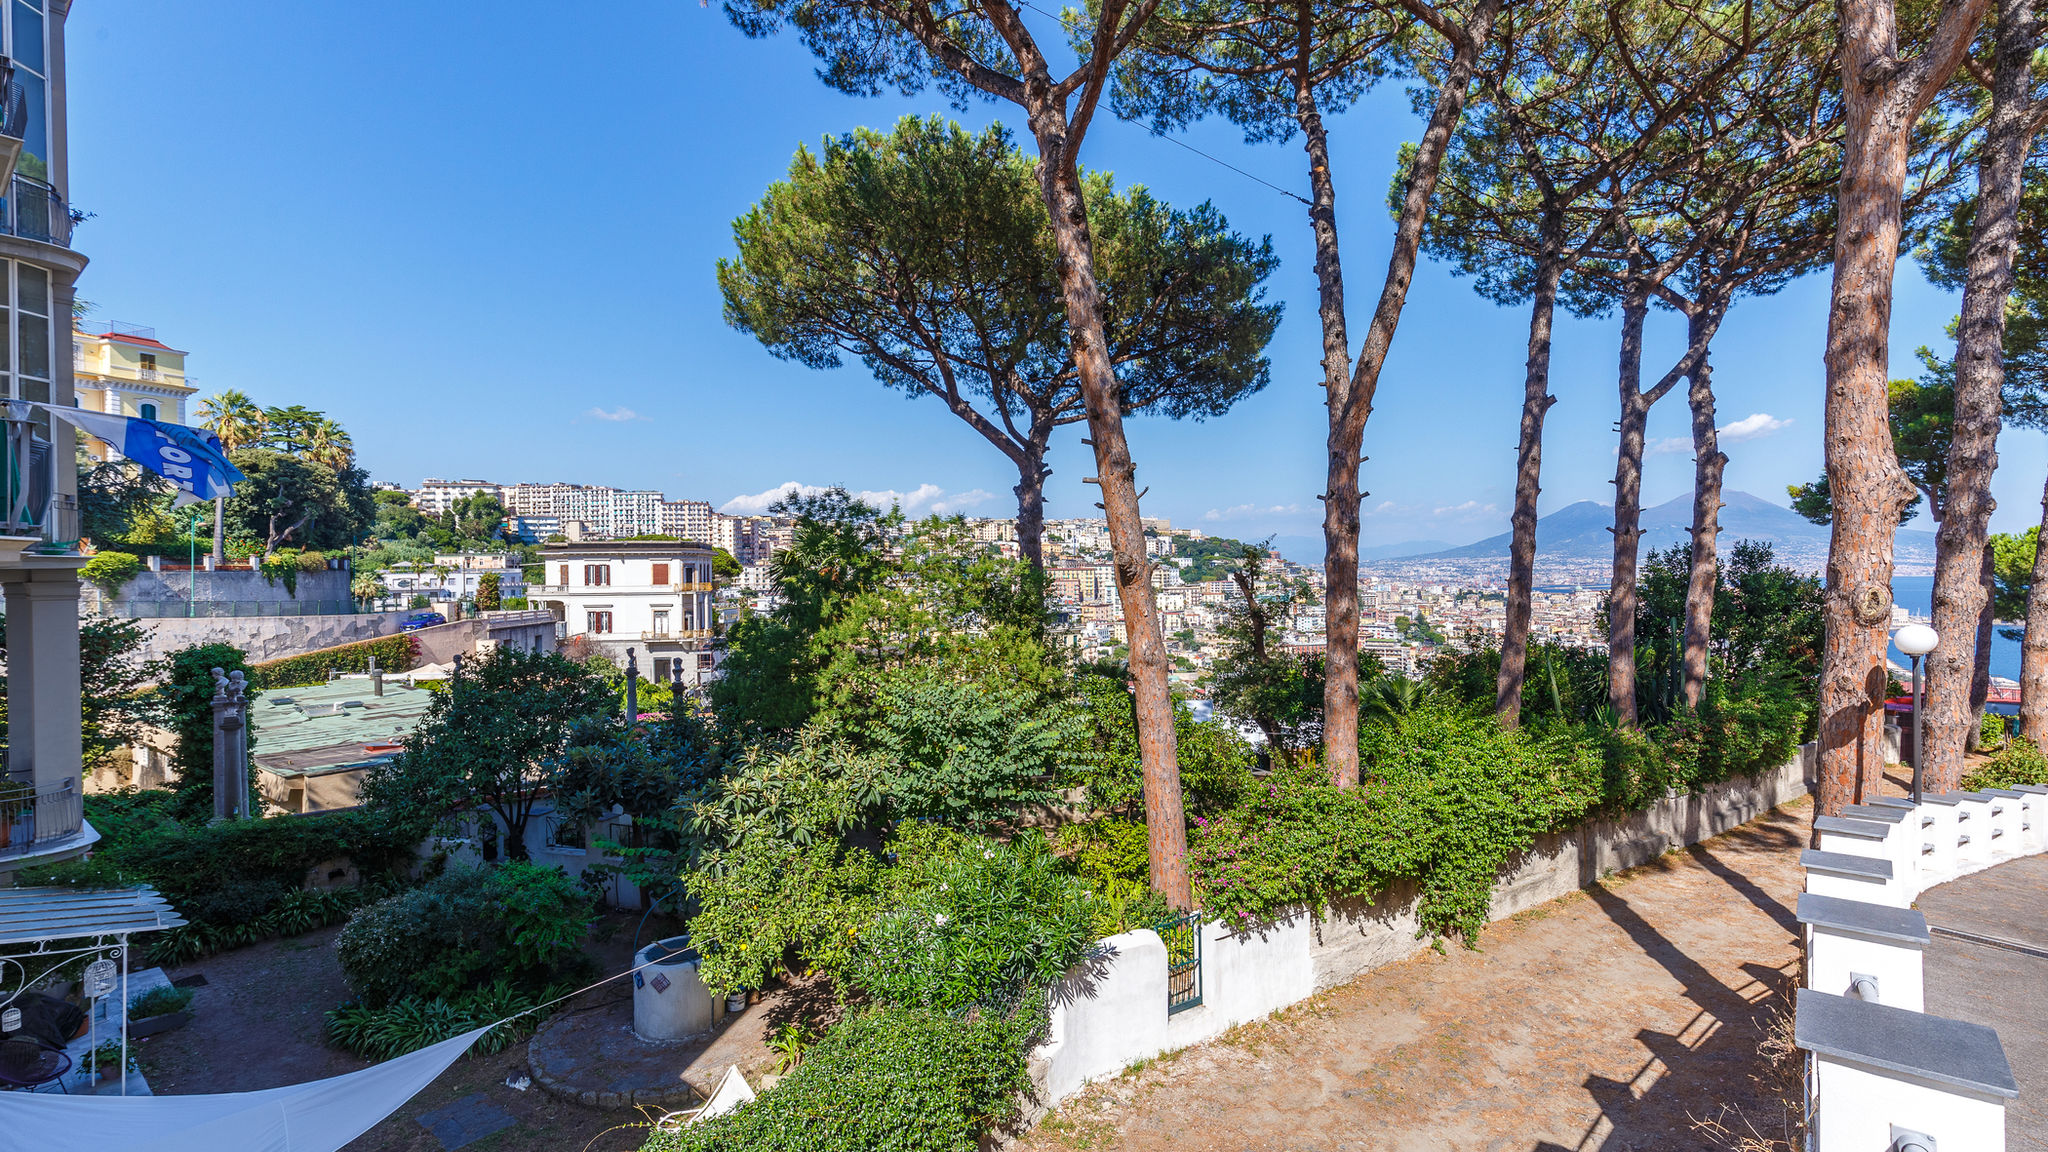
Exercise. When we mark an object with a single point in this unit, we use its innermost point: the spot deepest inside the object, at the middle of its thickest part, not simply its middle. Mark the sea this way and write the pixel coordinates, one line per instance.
(1916, 595)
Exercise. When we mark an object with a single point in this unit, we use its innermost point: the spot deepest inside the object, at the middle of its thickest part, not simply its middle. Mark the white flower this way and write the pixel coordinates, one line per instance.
(940, 919)
(942, 888)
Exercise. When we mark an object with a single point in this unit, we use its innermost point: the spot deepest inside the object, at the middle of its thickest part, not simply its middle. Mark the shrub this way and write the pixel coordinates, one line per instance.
(973, 755)
(237, 882)
(2019, 762)
(394, 654)
(110, 570)
(980, 924)
(160, 1001)
(519, 921)
(186, 703)
(411, 1024)
(1447, 799)
(898, 1080)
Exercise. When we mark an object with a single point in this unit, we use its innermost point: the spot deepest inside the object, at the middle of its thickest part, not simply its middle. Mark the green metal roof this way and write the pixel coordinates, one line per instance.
(327, 728)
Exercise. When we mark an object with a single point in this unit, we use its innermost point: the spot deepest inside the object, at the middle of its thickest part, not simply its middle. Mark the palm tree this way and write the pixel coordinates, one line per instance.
(327, 443)
(233, 417)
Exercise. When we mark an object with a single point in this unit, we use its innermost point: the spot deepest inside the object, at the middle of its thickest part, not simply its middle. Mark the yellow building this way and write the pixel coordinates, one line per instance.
(124, 369)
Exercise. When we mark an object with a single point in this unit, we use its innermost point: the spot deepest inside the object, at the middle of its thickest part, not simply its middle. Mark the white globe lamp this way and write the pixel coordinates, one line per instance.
(1916, 640)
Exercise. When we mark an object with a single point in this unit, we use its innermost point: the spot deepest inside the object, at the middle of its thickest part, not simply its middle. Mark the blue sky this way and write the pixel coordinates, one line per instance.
(483, 237)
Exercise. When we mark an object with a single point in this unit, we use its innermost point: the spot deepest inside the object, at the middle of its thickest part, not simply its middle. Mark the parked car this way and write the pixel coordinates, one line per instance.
(421, 620)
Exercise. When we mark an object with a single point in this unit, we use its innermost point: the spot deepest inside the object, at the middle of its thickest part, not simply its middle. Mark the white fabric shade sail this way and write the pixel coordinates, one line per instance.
(321, 1116)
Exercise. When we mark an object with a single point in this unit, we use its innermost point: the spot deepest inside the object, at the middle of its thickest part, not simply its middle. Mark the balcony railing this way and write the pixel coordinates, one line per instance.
(39, 818)
(679, 634)
(34, 211)
(29, 505)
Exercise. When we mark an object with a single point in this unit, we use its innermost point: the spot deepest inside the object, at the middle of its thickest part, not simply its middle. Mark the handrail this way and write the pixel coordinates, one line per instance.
(52, 814)
(36, 212)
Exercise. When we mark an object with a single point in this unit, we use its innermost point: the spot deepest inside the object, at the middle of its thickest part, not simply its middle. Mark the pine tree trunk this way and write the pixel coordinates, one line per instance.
(1350, 401)
(1340, 504)
(1709, 464)
(1536, 401)
(1961, 591)
(1980, 670)
(1030, 489)
(1116, 472)
(1628, 514)
(1883, 98)
(2034, 643)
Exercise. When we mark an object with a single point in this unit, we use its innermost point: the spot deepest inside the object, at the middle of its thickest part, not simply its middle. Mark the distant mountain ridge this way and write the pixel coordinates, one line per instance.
(1580, 532)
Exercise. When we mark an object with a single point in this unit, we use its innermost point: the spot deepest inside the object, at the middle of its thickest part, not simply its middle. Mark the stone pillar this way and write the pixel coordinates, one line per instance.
(43, 739)
(230, 746)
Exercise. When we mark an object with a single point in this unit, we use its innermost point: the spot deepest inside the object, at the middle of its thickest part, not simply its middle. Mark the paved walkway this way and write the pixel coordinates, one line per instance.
(1613, 1018)
(1988, 963)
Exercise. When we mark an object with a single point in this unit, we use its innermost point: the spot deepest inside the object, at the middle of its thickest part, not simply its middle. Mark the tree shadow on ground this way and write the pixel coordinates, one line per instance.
(1710, 1069)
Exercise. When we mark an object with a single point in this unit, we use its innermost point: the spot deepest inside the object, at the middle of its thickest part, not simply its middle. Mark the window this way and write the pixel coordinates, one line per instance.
(661, 623)
(690, 573)
(149, 411)
(25, 46)
(661, 668)
(704, 662)
(660, 574)
(597, 574)
(148, 361)
(565, 575)
(600, 623)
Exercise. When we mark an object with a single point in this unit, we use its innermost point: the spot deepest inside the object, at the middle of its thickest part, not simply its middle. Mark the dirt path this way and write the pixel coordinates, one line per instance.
(1612, 1018)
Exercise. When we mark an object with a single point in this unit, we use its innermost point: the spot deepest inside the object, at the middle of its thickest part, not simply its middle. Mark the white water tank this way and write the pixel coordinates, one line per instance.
(670, 1000)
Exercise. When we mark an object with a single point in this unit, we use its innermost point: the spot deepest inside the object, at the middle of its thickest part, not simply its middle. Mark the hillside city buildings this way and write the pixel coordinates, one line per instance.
(654, 597)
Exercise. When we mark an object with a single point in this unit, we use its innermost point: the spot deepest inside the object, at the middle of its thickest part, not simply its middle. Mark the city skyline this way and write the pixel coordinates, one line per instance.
(576, 346)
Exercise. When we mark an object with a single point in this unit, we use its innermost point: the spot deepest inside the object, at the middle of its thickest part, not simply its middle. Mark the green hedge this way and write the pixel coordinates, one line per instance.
(239, 881)
(1449, 797)
(898, 1080)
(394, 654)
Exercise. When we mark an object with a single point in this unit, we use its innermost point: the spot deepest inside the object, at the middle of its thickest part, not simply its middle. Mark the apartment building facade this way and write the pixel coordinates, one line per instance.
(39, 556)
(435, 497)
(654, 597)
(125, 370)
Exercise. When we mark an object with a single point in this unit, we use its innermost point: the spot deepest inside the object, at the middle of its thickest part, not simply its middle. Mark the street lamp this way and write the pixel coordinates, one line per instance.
(1916, 640)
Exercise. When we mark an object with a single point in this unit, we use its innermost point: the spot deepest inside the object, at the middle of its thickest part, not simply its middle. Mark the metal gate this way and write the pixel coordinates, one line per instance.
(1183, 938)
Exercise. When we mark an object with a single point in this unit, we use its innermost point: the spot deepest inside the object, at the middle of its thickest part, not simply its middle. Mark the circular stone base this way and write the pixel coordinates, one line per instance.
(593, 1057)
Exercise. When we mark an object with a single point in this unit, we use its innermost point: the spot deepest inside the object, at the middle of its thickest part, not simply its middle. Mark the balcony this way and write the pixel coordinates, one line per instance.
(34, 211)
(33, 516)
(680, 634)
(698, 586)
(38, 823)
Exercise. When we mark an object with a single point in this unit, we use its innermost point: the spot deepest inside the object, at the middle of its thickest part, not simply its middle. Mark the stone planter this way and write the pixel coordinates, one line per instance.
(152, 1025)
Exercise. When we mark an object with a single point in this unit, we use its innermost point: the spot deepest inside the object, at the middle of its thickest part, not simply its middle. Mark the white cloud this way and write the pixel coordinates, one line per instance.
(1243, 511)
(1468, 509)
(618, 415)
(925, 498)
(1751, 426)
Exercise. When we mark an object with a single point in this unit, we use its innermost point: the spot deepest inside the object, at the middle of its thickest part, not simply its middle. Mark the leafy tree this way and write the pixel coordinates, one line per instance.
(1275, 68)
(184, 701)
(724, 566)
(990, 51)
(289, 500)
(487, 598)
(115, 497)
(488, 741)
(926, 253)
(1281, 693)
(477, 516)
(1211, 558)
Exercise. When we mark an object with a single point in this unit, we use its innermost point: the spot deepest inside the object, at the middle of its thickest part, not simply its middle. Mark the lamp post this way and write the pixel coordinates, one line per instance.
(1916, 640)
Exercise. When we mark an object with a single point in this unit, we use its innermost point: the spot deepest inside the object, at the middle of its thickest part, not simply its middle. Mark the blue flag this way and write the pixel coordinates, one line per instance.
(190, 458)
